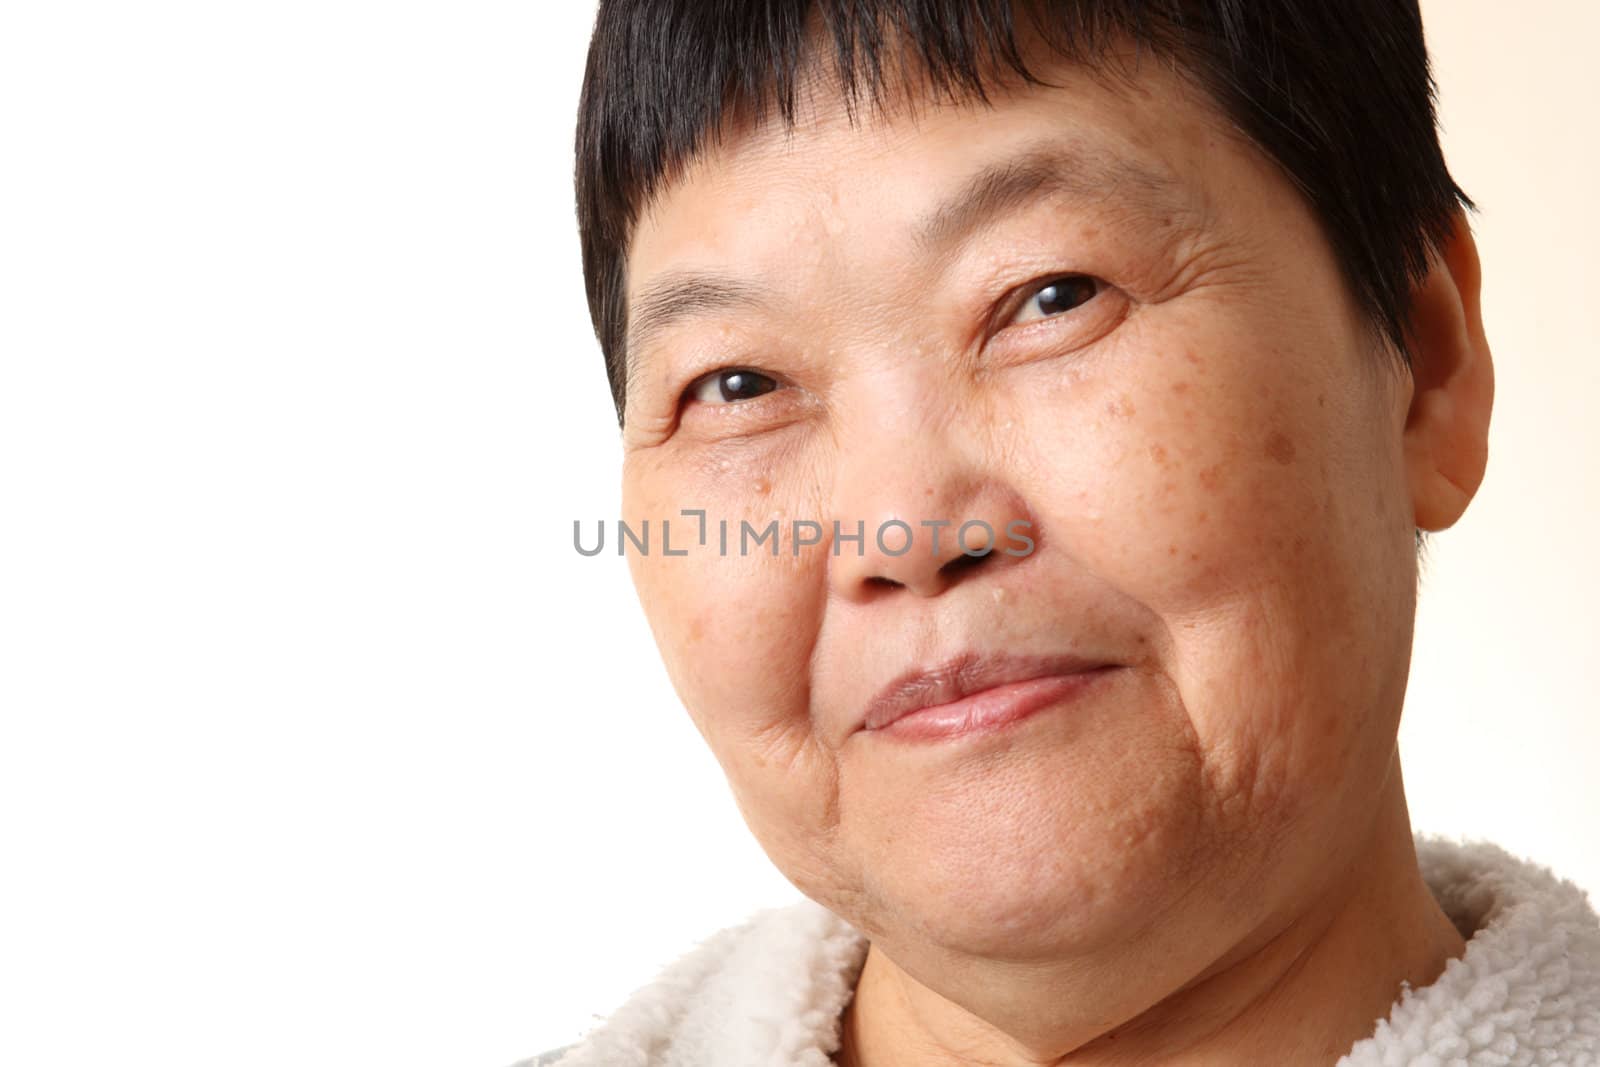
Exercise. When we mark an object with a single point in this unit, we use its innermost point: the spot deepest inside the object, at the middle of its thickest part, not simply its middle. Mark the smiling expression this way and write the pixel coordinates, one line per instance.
(1092, 308)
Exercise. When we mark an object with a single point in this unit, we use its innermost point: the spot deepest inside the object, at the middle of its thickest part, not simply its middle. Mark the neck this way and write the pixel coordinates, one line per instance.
(1303, 993)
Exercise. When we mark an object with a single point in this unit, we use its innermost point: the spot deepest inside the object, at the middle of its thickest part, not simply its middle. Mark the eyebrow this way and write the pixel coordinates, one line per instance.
(682, 294)
(1041, 169)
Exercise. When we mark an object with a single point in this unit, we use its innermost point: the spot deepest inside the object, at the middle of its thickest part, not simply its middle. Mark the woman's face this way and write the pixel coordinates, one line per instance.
(1134, 338)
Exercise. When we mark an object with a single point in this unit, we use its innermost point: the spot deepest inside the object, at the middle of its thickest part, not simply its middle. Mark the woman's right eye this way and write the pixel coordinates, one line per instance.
(730, 386)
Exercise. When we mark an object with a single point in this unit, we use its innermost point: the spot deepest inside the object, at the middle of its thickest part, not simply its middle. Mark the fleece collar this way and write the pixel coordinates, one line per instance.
(770, 991)
(1527, 990)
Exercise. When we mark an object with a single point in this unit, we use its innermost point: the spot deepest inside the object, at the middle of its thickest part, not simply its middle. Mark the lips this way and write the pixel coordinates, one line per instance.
(963, 676)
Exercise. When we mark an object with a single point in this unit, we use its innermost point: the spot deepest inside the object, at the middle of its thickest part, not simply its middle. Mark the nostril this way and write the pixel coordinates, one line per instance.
(964, 562)
(880, 580)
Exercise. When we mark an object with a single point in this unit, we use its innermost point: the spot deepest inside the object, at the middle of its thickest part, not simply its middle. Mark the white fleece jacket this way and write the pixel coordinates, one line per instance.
(770, 991)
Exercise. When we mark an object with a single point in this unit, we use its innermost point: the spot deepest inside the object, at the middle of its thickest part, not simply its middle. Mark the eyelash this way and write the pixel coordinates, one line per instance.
(1028, 293)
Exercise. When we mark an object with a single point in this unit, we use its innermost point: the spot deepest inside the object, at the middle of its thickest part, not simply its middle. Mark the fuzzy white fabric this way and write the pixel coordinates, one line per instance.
(770, 991)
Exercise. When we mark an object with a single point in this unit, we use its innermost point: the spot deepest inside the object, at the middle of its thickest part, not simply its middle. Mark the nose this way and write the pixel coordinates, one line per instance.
(924, 526)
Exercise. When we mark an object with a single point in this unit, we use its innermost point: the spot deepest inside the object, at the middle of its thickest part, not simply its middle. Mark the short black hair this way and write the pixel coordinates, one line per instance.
(1339, 94)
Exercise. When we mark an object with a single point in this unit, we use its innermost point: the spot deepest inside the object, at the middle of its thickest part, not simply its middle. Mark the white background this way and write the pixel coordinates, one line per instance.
(320, 744)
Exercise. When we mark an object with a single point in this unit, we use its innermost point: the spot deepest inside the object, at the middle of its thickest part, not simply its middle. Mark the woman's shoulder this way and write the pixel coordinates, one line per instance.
(775, 982)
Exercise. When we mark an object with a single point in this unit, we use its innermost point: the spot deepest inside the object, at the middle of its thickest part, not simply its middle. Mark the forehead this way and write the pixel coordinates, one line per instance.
(909, 181)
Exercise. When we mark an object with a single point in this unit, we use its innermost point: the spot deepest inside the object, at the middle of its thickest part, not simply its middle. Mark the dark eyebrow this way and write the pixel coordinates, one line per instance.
(1043, 169)
(680, 294)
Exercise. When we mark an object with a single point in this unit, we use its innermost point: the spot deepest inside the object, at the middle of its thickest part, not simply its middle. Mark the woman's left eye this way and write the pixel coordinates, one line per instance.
(1055, 297)
(730, 386)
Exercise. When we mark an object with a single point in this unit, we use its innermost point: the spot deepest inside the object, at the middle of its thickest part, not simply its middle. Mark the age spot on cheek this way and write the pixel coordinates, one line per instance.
(1279, 448)
(1121, 407)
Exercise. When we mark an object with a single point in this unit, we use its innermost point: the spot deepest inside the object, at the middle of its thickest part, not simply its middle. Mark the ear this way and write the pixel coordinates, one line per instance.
(1446, 437)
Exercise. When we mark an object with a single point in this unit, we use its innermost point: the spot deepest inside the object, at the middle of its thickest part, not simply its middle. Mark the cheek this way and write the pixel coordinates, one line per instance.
(736, 632)
(1185, 463)
(730, 618)
(1229, 490)
(1224, 475)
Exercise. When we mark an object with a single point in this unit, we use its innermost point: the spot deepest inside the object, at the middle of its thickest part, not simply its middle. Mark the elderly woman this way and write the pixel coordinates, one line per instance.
(1048, 402)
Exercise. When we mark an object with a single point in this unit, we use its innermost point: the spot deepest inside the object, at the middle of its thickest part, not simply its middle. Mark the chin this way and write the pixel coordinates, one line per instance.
(1023, 902)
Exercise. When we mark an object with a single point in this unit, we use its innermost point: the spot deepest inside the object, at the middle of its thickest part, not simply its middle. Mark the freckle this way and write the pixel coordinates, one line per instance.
(1180, 387)
(1322, 399)
(1120, 407)
(928, 491)
(1194, 557)
(1280, 448)
(1192, 358)
(1172, 550)
(1158, 454)
(1202, 517)
(763, 487)
(1211, 477)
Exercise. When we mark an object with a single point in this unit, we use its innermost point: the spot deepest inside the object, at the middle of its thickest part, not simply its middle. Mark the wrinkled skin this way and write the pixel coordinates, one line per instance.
(1223, 469)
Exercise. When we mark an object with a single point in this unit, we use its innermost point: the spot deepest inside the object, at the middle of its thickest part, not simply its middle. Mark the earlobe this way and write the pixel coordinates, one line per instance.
(1446, 437)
